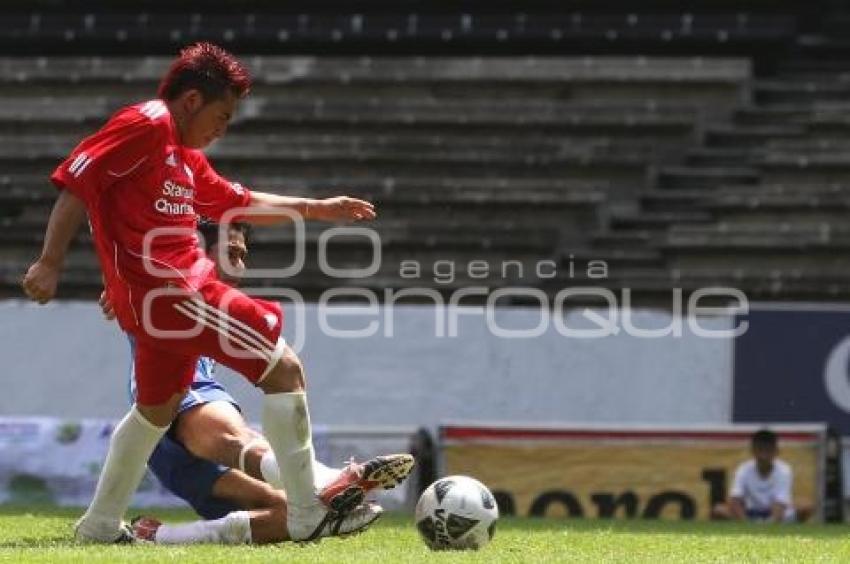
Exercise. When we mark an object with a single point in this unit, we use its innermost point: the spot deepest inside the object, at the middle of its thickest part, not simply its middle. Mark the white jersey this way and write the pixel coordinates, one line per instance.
(758, 493)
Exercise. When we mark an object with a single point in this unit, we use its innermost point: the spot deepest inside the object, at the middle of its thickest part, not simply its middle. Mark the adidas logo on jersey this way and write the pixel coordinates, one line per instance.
(170, 160)
(79, 164)
(153, 109)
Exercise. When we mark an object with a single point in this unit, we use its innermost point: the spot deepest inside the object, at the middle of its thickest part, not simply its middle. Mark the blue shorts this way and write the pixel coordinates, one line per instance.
(190, 478)
(185, 475)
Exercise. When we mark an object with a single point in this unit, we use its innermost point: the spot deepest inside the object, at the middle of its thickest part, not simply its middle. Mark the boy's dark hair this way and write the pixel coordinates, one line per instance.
(209, 230)
(764, 438)
(208, 69)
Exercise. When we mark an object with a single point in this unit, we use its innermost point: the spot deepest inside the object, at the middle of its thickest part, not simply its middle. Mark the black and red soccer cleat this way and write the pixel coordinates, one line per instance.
(356, 480)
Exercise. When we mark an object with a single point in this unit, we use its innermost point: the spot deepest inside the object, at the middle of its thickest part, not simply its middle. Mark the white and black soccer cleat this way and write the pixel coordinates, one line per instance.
(347, 524)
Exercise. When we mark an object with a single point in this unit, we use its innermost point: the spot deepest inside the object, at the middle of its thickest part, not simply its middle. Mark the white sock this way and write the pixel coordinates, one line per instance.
(233, 528)
(132, 443)
(323, 474)
(286, 425)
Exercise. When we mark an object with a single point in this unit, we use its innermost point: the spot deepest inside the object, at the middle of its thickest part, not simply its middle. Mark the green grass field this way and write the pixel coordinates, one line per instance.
(43, 535)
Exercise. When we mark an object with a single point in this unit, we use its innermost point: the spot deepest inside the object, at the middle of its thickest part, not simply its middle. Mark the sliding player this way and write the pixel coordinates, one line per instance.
(143, 181)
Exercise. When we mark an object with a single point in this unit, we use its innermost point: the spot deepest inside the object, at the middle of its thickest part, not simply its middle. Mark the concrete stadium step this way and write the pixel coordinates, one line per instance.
(592, 125)
(832, 123)
(705, 177)
(614, 258)
(750, 136)
(792, 166)
(621, 239)
(771, 115)
(806, 190)
(472, 111)
(674, 200)
(778, 205)
(640, 279)
(801, 66)
(765, 283)
(398, 69)
(658, 221)
(810, 145)
(504, 187)
(726, 236)
(452, 198)
(718, 156)
(796, 91)
(529, 144)
(618, 171)
(774, 263)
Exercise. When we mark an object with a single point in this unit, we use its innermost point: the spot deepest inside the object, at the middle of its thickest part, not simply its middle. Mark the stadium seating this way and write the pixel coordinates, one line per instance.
(677, 171)
(492, 159)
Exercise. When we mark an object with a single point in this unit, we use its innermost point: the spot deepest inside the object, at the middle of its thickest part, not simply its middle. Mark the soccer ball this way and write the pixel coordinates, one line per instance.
(456, 513)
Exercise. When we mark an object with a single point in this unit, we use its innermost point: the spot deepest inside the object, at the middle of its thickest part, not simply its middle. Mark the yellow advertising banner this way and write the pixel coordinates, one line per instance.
(655, 473)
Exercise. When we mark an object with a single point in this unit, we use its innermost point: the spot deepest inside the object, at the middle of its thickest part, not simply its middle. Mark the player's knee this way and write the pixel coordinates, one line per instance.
(231, 443)
(163, 414)
(286, 376)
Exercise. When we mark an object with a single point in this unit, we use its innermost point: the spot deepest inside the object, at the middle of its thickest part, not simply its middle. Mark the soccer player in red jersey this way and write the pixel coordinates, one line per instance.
(220, 466)
(142, 179)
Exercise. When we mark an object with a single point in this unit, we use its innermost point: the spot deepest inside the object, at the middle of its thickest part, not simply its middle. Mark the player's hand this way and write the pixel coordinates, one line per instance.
(41, 280)
(341, 208)
(106, 306)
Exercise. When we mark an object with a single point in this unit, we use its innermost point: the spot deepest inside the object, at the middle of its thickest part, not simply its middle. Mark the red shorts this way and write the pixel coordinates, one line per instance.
(175, 327)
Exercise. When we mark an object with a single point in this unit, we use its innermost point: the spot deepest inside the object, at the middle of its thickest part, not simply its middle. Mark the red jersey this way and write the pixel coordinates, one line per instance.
(136, 179)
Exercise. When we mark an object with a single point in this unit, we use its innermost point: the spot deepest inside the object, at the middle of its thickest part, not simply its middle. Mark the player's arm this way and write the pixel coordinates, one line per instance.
(42, 277)
(216, 195)
(340, 208)
(118, 149)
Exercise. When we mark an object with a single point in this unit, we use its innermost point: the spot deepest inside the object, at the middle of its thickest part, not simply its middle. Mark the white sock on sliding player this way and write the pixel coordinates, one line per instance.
(233, 528)
(132, 443)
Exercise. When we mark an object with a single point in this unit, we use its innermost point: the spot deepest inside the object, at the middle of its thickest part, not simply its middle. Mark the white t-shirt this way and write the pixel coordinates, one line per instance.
(758, 493)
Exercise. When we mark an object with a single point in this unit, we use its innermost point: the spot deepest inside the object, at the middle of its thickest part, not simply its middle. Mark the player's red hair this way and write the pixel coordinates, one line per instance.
(207, 68)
